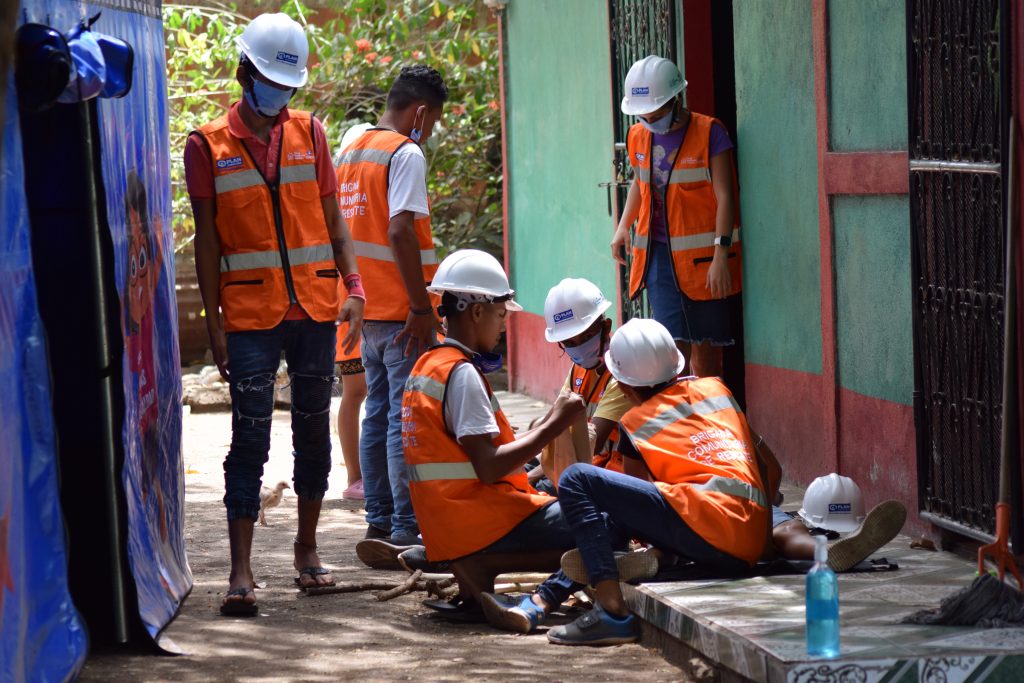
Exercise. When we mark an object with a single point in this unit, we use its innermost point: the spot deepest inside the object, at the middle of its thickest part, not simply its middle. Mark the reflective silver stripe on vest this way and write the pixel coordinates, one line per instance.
(698, 241)
(373, 156)
(734, 487)
(689, 175)
(379, 252)
(299, 173)
(437, 471)
(642, 173)
(640, 242)
(495, 406)
(425, 385)
(272, 259)
(237, 181)
(649, 429)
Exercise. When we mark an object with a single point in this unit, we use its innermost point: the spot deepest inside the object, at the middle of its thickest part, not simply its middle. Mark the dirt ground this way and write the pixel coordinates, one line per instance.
(333, 637)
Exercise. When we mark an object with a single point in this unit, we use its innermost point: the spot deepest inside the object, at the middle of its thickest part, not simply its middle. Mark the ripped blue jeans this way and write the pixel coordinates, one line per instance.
(253, 359)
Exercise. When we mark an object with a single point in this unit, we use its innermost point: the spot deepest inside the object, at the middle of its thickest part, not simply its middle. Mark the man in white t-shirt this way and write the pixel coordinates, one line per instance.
(383, 197)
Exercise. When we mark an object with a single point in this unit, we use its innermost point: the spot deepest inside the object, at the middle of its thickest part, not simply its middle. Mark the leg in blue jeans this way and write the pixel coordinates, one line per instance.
(601, 506)
(309, 352)
(385, 482)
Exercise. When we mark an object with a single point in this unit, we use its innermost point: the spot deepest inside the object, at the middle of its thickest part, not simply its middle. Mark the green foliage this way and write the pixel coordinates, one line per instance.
(357, 49)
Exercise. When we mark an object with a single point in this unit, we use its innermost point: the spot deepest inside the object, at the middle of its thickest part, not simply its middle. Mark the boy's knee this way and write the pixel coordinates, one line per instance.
(573, 476)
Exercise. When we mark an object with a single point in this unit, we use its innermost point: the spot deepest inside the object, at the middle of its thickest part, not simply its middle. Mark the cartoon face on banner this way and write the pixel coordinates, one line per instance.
(144, 261)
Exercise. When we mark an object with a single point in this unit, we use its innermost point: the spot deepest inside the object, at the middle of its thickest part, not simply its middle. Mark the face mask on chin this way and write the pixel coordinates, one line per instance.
(661, 126)
(266, 100)
(588, 354)
(487, 362)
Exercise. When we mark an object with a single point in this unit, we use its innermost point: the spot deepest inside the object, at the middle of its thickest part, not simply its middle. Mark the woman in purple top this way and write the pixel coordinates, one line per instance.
(700, 328)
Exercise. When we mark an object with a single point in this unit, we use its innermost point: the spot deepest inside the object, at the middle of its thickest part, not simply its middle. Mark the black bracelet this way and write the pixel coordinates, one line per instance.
(421, 311)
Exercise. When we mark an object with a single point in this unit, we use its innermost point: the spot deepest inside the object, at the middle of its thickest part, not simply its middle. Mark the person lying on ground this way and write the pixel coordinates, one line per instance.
(706, 503)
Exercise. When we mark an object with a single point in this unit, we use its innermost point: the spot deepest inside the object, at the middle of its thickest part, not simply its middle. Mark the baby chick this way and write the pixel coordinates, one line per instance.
(270, 497)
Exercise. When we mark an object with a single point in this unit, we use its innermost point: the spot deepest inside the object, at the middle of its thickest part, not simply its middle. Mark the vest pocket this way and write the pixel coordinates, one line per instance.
(243, 282)
(709, 259)
(329, 272)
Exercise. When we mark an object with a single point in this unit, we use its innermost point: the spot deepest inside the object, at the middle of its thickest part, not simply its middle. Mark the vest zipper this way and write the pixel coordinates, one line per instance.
(282, 246)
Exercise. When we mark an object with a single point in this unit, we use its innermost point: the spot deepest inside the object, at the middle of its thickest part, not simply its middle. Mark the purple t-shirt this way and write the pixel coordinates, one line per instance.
(664, 150)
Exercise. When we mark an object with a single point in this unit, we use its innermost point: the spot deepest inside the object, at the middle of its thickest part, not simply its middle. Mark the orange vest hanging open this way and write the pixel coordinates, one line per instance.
(274, 244)
(690, 211)
(363, 195)
(590, 384)
(698, 448)
(458, 514)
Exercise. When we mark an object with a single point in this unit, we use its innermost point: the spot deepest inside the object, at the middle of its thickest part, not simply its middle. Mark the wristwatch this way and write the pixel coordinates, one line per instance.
(723, 241)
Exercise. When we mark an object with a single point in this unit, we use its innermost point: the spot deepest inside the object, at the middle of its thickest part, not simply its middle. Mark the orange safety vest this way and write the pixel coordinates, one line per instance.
(698, 448)
(590, 384)
(274, 246)
(363, 195)
(458, 514)
(690, 207)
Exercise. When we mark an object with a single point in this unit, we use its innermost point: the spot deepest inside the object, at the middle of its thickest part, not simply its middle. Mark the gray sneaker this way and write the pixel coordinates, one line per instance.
(634, 566)
(381, 553)
(878, 528)
(596, 627)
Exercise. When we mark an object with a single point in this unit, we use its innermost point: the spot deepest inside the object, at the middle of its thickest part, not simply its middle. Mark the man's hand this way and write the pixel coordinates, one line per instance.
(352, 313)
(218, 345)
(568, 406)
(719, 279)
(620, 244)
(420, 332)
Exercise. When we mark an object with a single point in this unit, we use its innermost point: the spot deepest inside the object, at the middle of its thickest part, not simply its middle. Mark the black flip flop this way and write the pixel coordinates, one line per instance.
(239, 608)
(458, 609)
(313, 573)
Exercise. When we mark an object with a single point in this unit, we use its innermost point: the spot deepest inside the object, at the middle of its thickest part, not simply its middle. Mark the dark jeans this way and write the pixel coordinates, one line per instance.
(545, 529)
(253, 359)
(604, 507)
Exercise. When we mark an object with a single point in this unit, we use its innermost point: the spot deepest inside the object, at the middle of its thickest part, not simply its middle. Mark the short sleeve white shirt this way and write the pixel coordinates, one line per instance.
(467, 406)
(407, 182)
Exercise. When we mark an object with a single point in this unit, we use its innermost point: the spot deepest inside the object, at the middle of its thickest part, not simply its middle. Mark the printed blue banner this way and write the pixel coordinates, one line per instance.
(41, 635)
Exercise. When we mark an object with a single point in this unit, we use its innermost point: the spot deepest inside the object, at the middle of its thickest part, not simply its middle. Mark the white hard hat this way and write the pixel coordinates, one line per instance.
(571, 307)
(642, 353)
(651, 83)
(277, 46)
(833, 502)
(473, 276)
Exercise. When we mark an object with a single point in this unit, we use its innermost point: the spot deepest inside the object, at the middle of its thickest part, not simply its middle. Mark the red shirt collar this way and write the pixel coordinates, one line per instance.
(237, 127)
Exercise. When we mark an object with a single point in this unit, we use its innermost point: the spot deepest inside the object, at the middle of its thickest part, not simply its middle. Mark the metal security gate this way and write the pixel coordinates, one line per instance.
(637, 28)
(958, 99)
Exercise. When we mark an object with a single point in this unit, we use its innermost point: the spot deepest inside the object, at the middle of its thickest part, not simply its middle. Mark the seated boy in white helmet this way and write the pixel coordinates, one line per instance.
(575, 315)
(471, 496)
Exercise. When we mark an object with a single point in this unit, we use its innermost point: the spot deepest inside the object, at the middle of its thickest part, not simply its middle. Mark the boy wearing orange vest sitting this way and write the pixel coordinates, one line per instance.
(705, 501)
(465, 466)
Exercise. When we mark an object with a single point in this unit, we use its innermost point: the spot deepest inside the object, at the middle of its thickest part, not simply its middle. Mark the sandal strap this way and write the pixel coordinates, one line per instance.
(296, 541)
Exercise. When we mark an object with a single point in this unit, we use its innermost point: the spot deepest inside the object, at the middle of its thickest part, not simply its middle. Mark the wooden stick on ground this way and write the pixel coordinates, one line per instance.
(401, 589)
(357, 587)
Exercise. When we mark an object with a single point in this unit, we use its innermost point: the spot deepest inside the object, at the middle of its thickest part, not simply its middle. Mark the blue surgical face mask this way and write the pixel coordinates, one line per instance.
(266, 100)
(661, 126)
(588, 354)
(415, 134)
(487, 362)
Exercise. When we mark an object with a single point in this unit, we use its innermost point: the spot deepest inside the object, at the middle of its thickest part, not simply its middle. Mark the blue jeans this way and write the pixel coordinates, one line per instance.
(385, 481)
(545, 529)
(253, 359)
(686, 319)
(603, 507)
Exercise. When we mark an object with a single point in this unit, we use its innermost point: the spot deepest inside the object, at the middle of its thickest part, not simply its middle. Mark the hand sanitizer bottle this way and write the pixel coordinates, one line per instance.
(822, 605)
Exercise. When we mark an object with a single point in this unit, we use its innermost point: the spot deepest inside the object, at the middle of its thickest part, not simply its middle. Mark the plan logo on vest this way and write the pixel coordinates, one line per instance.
(840, 508)
(563, 316)
(225, 164)
(640, 92)
(640, 156)
(301, 156)
(287, 57)
(579, 382)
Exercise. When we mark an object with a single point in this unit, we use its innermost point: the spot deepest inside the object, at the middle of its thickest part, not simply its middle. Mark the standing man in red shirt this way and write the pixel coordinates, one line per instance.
(270, 244)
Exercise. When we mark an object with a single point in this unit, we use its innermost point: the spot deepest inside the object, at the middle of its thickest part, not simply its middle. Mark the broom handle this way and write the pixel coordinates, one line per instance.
(1009, 323)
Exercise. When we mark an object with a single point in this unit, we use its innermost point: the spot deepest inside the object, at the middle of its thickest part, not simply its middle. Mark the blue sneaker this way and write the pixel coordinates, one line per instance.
(596, 627)
(521, 617)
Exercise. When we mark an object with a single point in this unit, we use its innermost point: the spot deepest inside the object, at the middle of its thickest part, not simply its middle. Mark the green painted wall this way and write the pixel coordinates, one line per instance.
(868, 80)
(778, 167)
(558, 103)
(873, 296)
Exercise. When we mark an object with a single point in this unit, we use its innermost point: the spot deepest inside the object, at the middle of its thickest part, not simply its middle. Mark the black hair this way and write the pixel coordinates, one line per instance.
(449, 307)
(417, 84)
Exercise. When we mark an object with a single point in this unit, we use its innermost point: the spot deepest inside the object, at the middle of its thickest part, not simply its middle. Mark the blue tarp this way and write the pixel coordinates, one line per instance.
(41, 635)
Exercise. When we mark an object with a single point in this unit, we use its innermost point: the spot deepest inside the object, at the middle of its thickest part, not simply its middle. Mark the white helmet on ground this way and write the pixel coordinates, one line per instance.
(277, 46)
(651, 83)
(642, 353)
(571, 307)
(473, 276)
(833, 502)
